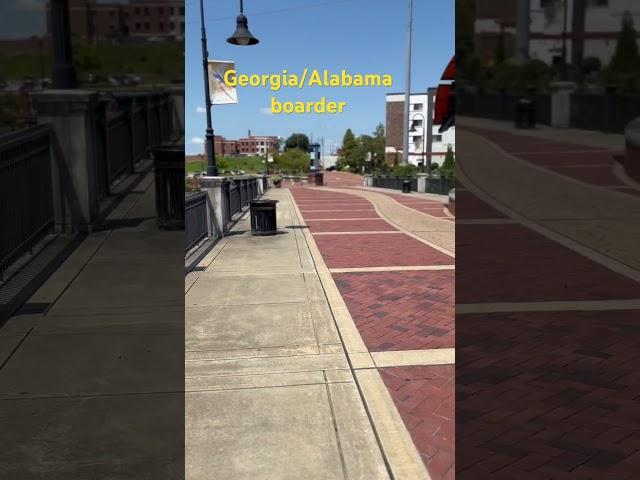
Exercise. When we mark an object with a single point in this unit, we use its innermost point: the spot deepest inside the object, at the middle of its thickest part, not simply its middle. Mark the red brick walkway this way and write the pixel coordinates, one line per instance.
(546, 394)
(393, 310)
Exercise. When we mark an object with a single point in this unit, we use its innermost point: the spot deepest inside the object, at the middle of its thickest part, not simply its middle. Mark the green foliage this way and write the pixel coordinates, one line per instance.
(292, 161)
(626, 58)
(297, 140)
(404, 171)
(356, 150)
(155, 62)
(249, 165)
(510, 76)
(448, 168)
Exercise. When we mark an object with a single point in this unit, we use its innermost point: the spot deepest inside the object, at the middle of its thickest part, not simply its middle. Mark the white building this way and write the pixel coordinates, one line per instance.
(602, 24)
(422, 145)
(592, 28)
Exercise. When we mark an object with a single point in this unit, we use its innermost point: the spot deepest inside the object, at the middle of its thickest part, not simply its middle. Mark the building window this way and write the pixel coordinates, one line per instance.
(146, 10)
(172, 10)
(161, 10)
(417, 107)
(181, 10)
(146, 26)
(437, 138)
(137, 26)
(182, 27)
(161, 26)
(172, 26)
(417, 123)
(137, 10)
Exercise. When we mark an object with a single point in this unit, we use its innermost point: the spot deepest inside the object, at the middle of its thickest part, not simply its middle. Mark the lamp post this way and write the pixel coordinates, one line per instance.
(242, 36)
(424, 121)
(63, 75)
(407, 91)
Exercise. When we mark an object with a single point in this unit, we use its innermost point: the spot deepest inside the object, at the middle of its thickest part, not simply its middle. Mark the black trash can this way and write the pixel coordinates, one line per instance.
(525, 114)
(406, 186)
(263, 217)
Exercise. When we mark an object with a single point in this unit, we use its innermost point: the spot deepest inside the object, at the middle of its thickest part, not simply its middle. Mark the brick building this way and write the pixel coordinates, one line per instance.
(258, 145)
(93, 21)
(224, 147)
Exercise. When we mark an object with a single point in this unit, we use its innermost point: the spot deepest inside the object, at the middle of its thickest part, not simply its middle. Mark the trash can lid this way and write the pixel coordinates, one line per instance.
(263, 203)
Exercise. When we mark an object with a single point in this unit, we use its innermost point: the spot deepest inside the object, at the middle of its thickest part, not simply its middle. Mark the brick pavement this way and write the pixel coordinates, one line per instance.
(401, 310)
(425, 399)
(371, 250)
(596, 163)
(546, 394)
(394, 310)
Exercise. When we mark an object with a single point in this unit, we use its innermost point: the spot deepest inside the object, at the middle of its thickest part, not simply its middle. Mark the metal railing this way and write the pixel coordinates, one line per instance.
(439, 185)
(26, 199)
(236, 193)
(501, 105)
(610, 112)
(195, 218)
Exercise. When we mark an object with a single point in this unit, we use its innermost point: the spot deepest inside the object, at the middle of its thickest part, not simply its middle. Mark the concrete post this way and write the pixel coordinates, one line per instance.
(217, 204)
(422, 182)
(561, 103)
(76, 166)
(632, 156)
(368, 180)
(260, 183)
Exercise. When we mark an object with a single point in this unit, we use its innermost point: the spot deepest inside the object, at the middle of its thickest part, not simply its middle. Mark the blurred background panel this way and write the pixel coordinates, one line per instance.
(548, 264)
(92, 239)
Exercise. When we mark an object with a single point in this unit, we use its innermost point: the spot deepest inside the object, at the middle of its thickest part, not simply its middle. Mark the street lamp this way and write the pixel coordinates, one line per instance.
(424, 126)
(242, 36)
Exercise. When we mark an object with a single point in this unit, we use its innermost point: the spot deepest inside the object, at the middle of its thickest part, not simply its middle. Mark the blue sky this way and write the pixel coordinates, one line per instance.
(361, 36)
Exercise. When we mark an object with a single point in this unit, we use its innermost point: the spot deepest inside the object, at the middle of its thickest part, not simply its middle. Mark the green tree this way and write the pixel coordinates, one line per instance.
(448, 168)
(626, 58)
(292, 161)
(297, 140)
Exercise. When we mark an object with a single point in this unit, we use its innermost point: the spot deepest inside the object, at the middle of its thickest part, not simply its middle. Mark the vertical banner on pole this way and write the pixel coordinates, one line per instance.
(221, 93)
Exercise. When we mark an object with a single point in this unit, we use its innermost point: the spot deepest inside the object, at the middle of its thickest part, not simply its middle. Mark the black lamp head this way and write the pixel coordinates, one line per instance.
(242, 35)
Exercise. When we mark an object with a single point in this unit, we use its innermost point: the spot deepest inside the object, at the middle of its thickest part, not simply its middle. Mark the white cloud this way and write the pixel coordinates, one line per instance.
(197, 141)
(200, 109)
(266, 111)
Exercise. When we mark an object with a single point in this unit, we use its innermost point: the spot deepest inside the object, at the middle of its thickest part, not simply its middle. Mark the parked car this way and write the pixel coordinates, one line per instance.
(330, 168)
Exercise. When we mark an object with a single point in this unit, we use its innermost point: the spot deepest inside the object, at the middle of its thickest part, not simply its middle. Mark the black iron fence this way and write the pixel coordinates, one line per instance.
(195, 218)
(169, 182)
(440, 185)
(129, 125)
(609, 112)
(502, 105)
(26, 199)
(236, 192)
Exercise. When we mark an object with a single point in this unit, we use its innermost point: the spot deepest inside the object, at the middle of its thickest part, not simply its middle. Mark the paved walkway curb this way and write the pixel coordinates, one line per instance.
(401, 454)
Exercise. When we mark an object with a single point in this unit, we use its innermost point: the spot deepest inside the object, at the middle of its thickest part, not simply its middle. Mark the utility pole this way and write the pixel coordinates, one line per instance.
(522, 30)
(407, 89)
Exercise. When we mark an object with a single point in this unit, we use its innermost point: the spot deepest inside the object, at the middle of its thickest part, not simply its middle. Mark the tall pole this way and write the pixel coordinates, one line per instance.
(407, 89)
(63, 75)
(522, 30)
(431, 92)
(564, 39)
(212, 169)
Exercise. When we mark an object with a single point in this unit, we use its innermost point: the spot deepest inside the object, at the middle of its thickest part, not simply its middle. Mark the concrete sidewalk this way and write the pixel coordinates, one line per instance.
(271, 391)
(91, 386)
